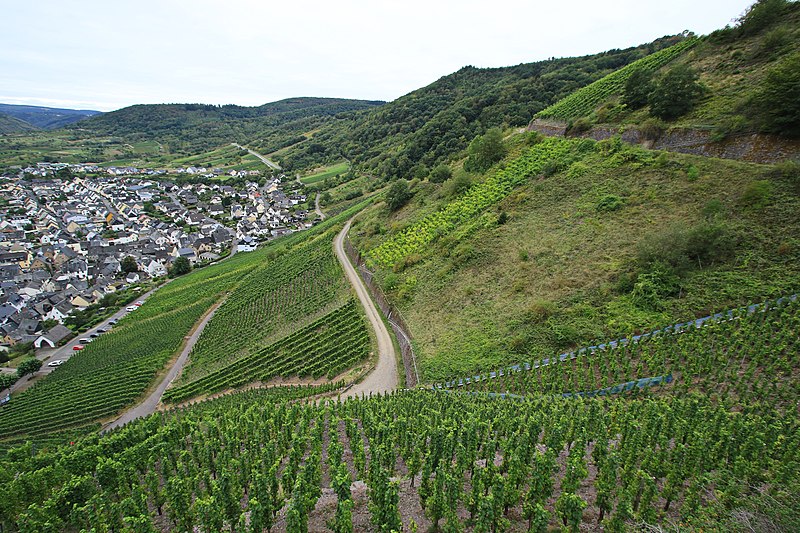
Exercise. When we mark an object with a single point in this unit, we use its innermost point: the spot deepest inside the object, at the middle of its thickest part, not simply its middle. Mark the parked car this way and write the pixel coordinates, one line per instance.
(140, 302)
(85, 340)
(131, 308)
(102, 330)
(77, 347)
(112, 322)
(57, 362)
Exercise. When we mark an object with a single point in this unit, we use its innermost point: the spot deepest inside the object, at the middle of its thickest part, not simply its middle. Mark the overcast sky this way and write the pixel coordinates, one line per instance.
(107, 54)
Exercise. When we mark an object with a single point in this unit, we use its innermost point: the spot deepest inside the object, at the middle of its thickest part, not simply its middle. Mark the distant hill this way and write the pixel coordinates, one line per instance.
(46, 118)
(9, 124)
(197, 127)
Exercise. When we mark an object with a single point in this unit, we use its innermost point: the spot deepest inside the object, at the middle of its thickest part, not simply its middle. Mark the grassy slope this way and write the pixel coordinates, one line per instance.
(557, 274)
(326, 172)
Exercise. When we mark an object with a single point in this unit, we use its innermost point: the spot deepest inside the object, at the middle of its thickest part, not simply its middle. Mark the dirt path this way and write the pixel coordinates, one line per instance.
(149, 404)
(383, 378)
(317, 209)
(271, 164)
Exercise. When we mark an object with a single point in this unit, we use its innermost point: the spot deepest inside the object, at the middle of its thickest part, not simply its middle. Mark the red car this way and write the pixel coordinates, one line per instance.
(77, 347)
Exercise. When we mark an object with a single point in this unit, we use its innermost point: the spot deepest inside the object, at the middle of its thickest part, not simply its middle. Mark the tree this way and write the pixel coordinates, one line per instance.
(777, 103)
(6, 380)
(179, 267)
(28, 366)
(675, 94)
(637, 89)
(398, 195)
(129, 265)
(485, 150)
(440, 174)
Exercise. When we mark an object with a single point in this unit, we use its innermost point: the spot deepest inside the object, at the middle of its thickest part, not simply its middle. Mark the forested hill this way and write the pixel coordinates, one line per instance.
(46, 118)
(9, 124)
(416, 131)
(197, 127)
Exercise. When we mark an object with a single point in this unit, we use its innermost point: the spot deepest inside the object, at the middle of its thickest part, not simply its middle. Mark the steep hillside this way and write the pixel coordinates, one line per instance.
(9, 124)
(570, 241)
(46, 118)
(408, 136)
(192, 128)
(737, 80)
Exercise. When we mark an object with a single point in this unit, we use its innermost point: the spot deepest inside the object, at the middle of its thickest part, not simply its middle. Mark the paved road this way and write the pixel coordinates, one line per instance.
(271, 164)
(149, 404)
(317, 209)
(65, 352)
(383, 377)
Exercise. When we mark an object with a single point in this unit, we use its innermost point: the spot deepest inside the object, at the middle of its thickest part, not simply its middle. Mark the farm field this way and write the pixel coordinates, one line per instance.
(327, 172)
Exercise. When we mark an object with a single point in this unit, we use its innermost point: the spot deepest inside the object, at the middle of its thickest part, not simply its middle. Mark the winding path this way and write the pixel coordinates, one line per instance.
(383, 377)
(149, 404)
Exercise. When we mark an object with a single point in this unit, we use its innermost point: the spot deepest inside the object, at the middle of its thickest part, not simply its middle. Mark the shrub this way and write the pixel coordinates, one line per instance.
(651, 129)
(712, 209)
(459, 184)
(655, 284)
(440, 174)
(679, 247)
(577, 169)
(692, 173)
(610, 202)
(578, 126)
(756, 195)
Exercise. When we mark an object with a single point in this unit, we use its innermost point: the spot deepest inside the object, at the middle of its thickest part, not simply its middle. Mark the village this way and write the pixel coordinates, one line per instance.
(72, 234)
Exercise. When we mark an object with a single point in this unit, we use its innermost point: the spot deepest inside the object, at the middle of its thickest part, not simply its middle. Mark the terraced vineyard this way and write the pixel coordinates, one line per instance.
(478, 198)
(746, 355)
(326, 347)
(585, 100)
(284, 294)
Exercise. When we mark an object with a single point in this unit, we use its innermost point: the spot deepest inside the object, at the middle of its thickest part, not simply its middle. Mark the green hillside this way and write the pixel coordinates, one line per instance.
(407, 137)
(571, 241)
(745, 78)
(46, 118)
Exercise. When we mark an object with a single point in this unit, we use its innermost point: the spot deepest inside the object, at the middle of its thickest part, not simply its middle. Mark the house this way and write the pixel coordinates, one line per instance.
(247, 244)
(53, 337)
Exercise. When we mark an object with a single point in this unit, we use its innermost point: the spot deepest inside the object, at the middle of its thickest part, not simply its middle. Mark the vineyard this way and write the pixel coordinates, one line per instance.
(283, 295)
(583, 101)
(747, 355)
(115, 370)
(255, 462)
(326, 347)
(417, 237)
